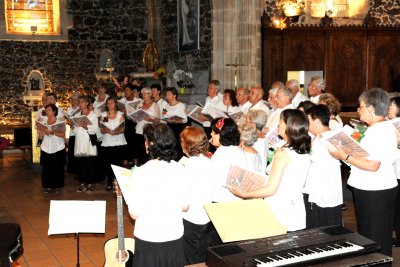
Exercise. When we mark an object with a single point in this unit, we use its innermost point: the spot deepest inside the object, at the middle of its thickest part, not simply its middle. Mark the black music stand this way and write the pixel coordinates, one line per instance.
(77, 217)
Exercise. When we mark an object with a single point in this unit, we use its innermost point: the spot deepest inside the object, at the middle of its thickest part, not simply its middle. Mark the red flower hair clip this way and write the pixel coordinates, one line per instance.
(220, 123)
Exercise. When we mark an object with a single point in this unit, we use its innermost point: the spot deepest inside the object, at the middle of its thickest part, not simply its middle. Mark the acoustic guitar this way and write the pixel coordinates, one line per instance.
(119, 251)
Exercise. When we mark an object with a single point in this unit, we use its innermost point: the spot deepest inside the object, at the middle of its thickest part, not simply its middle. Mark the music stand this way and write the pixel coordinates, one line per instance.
(77, 217)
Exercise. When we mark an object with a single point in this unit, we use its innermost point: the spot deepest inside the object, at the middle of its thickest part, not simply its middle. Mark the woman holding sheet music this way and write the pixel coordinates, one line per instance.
(373, 178)
(174, 114)
(287, 172)
(153, 111)
(86, 134)
(157, 196)
(112, 126)
(52, 151)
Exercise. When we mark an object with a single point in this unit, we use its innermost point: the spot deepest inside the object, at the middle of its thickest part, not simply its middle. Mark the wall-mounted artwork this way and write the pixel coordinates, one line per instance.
(188, 25)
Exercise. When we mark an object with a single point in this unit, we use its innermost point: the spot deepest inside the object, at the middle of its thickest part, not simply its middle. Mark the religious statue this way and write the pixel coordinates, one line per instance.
(150, 56)
(35, 84)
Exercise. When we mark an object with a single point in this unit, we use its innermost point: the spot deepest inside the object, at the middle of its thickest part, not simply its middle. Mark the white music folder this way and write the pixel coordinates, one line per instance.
(73, 216)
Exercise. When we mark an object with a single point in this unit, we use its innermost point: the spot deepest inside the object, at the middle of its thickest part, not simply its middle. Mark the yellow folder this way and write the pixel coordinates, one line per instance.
(244, 220)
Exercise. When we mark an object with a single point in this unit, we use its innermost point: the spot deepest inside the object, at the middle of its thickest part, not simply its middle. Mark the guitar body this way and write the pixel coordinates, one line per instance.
(119, 258)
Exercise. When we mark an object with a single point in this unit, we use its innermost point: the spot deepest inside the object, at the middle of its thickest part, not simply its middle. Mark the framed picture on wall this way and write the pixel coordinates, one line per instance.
(188, 25)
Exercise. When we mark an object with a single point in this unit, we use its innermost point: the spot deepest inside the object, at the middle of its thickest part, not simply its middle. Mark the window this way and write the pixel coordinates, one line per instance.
(41, 17)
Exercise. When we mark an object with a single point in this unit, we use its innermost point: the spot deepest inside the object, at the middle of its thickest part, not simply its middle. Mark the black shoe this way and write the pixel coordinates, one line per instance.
(396, 242)
(108, 188)
(89, 188)
(81, 188)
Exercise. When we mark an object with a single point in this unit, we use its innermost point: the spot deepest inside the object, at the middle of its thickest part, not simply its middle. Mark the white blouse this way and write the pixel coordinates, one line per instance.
(324, 179)
(223, 158)
(176, 110)
(287, 203)
(157, 193)
(92, 128)
(202, 181)
(113, 140)
(70, 111)
(253, 162)
(52, 143)
(380, 142)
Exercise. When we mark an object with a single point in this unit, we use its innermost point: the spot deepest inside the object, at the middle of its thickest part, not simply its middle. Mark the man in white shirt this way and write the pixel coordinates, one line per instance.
(315, 88)
(242, 97)
(214, 99)
(256, 99)
(283, 101)
(298, 97)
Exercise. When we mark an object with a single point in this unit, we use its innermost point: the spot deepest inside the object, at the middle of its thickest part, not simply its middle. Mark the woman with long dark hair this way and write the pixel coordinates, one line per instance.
(287, 172)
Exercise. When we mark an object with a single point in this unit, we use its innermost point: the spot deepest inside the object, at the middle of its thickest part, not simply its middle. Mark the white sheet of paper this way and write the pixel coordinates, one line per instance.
(73, 216)
(123, 177)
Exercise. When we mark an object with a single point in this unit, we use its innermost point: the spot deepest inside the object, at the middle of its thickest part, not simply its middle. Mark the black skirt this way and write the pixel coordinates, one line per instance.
(165, 254)
(196, 240)
(53, 169)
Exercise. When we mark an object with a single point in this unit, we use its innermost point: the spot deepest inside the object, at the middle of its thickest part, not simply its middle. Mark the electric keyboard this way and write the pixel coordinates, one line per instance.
(307, 248)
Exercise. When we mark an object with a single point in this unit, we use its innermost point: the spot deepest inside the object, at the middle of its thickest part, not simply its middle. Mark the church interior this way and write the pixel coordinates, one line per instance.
(67, 46)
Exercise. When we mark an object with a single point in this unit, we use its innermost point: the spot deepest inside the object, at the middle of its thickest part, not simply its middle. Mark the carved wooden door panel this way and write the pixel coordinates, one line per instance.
(303, 50)
(346, 65)
(384, 60)
(272, 66)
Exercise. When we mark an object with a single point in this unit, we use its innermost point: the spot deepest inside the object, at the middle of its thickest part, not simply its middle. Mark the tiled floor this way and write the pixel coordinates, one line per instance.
(22, 201)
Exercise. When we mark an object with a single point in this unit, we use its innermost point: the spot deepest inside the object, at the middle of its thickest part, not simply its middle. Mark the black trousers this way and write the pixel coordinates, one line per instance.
(396, 225)
(317, 216)
(374, 214)
(196, 241)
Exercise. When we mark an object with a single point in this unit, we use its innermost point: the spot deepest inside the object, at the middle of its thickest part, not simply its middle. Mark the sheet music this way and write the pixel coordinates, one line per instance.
(139, 115)
(81, 121)
(345, 142)
(123, 177)
(246, 180)
(73, 216)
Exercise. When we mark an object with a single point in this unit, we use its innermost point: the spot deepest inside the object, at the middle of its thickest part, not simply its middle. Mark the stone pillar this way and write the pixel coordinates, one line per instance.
(236, 37)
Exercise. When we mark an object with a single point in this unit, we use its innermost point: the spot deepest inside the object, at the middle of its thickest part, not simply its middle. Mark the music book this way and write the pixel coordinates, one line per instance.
(40, 126)
(58, 126)
(345, 142)
(134, 104)
(73, 216)
(173, 119)
(244, 220)
(246, 180)
(123, 177)
(81, 121)
(102, 107)
(396, 124)
(138, 115)
(236, 116)
(119, 127)
(199, 117)
(273, 137)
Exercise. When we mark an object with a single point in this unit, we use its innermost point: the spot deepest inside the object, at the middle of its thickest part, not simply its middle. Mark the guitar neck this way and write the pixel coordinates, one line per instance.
(121, 237)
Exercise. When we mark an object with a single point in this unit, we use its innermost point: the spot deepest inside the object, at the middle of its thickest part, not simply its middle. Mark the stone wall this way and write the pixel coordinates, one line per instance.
(120, 26)
(190, 60)
(97, 24)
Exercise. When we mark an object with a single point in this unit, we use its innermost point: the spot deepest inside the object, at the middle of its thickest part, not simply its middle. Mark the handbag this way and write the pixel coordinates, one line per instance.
(83, 144)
